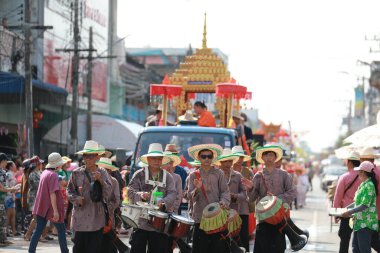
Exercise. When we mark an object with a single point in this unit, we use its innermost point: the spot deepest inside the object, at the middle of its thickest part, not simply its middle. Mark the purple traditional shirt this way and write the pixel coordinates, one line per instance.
(138, 185)
(179, 192)
(236, 187)
(90, 216)
(216, 189)
(277, 182)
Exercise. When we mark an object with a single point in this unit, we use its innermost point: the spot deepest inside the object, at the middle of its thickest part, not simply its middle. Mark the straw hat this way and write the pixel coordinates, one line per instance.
(353, 156)
(106, 163)
(107, 153)
(55, 160)
(214, 148)
(276, 149)
(238, 150)
(226, 155)
(236, 114)
(188, 116)
(173, 157)
(365, 166)
(172, 148)
(160, 107)
(155, 150)
(368, 153)
(91, 147)
(66, 159)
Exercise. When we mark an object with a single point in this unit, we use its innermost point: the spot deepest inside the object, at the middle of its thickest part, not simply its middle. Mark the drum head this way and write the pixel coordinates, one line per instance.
(182, 219)
(211, 210)
(158, 214)
(266, 203)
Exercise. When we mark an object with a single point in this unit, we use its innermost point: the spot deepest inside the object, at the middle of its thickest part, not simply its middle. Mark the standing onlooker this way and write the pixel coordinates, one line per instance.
(10, 206)
(364, 212)
(302, 186)
(247, 130)
(24, 194)
(344, 195)
(49, 204)
(88, 218)
(3, 193)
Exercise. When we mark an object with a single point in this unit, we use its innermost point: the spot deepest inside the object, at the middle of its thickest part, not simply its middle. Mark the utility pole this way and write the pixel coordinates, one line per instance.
(89, 88)
(74, 105)
(28, 83)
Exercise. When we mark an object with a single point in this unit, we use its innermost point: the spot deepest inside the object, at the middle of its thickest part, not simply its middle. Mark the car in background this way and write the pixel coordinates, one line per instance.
(330, 174)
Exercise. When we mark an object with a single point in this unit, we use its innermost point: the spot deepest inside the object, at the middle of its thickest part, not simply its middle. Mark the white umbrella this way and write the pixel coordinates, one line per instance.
(366, 137)
(109, 132)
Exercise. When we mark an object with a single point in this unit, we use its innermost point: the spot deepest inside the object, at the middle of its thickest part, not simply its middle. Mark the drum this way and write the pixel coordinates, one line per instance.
(131, 214)
(270, 209)
(287, 210)
(158, 220)
(214, 219)
(179, 226)
(234, 223)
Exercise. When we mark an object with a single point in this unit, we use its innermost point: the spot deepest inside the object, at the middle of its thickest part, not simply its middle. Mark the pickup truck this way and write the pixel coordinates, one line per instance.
(183, 136)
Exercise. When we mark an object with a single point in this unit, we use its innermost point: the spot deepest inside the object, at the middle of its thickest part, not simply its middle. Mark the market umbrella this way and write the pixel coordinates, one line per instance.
(366, 137)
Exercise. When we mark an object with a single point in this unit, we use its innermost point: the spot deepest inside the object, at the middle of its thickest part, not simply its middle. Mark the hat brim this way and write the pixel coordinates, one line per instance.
(91, 151)
(246, 158)
(107, 166)
(195, 163)
(358, 168)
(232, 157)
(173, 158)
(214, 148)
(368, 157)
(144, 158)
(55, 165)
(277, 150)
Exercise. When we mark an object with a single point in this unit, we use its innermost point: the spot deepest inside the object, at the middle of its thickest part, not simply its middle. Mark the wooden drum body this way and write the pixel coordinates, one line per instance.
(158, 220)
(234, 223)
(179, 226)
(270, 209)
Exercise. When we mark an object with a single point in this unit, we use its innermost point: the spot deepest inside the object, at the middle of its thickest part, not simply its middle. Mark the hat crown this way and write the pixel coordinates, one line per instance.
(367, 151)
(237, 149)
(236, 114)
(353, 156)
(171, 148)
(91, 145)
(105, 160)
(155, 148)
(54, 160)
(226, 152)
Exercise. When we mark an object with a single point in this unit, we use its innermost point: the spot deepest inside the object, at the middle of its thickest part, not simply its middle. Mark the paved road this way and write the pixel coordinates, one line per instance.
(313, 217)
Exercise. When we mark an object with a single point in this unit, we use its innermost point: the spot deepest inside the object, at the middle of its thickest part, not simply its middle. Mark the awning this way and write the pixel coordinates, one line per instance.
(109, 132)
(43, 93)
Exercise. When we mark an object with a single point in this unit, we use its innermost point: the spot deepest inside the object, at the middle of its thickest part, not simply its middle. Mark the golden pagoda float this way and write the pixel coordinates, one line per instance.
(199, 76)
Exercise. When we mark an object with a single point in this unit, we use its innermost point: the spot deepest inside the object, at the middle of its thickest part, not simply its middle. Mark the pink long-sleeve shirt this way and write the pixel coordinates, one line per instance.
(342, 199)
(377, 173)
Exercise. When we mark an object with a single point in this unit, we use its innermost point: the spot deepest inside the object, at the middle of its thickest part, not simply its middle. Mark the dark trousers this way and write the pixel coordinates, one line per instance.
(345, 235)
(269, 239)
(361, 243)
(88, 242)
(157, 242)
(213, 243)
(108, 246)
(244, 237)
(375, 242)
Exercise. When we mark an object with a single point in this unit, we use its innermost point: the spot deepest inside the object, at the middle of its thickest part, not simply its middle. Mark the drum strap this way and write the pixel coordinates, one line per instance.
(198, 176)
(265, 184)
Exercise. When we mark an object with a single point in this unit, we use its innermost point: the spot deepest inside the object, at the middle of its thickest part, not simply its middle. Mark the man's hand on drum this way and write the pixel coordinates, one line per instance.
(197, 183)
(233, 197)
(223, 205)
(145, 196)
(247, 183)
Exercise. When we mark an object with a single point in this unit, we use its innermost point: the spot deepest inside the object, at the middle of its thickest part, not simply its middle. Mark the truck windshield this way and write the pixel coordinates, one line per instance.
(183, 140)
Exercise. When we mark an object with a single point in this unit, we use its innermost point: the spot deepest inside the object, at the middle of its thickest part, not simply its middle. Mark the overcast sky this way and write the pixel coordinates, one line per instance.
(297, 57)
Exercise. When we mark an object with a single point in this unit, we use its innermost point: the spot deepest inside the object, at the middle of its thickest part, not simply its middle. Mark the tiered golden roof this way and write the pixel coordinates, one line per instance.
(201, 71)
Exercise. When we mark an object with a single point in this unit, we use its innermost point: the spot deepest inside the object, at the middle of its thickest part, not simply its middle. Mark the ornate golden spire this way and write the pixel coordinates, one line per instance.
(204, 44)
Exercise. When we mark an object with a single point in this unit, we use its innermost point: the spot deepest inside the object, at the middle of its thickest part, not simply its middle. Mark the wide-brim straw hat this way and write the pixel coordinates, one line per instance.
(236, 114)
(226, 155)
(106, 163)
(106, 153)
(172, 148)
(195, 163)
(238, 150)
(155, 150)
(173, 157)
(353, 156)
(214, 148)
(54, 160)
(66, 159)
(276, 149)
(91, 147)
(368, 153)
(188, 116)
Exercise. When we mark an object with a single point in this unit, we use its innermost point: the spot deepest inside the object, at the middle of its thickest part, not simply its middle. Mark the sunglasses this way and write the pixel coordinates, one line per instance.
(206, 156)
(89, 155)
